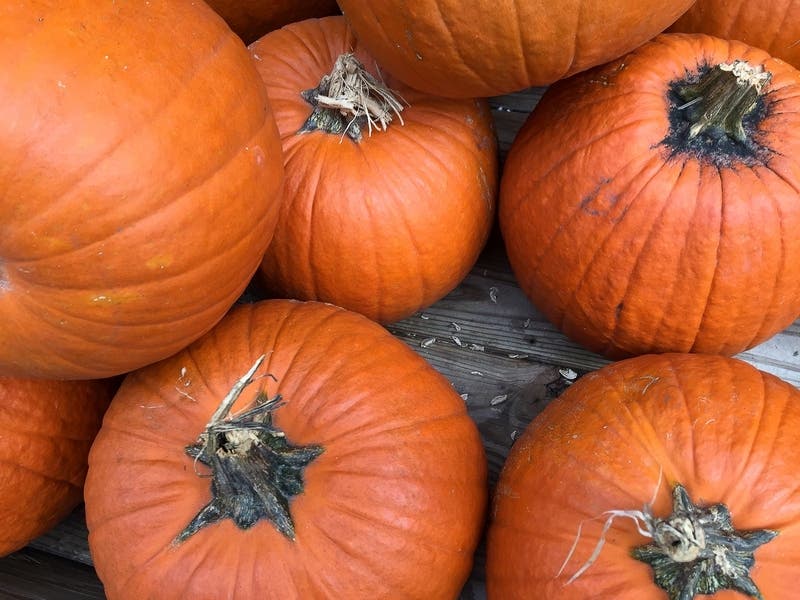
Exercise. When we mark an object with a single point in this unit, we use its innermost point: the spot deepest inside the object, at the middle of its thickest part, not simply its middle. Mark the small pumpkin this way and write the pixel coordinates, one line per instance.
(388, 203)
(139, 182)
(490, 47)
(773, 26)
(343, 466)
(251, 19)
(46, 430)
(661, 476)
(637, 224)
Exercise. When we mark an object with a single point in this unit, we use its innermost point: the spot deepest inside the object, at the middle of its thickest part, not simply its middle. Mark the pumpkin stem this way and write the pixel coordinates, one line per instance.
(255, 470)
(350, 98)
(696, 550)
(725, 95)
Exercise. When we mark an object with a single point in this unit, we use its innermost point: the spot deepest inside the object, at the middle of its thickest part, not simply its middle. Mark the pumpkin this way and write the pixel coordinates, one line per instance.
(342, 466)
(46, 429)
(251, 19)
(638, 225)
(774, 26)
(696, 451)
(139, 182)
(487, 48)
(386, 207)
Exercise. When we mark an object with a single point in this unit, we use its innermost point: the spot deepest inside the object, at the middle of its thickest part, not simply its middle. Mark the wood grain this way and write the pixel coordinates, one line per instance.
(504, 358)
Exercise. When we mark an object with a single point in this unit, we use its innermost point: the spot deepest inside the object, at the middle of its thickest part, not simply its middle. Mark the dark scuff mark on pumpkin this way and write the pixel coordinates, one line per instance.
(598, 204)
(713, 146)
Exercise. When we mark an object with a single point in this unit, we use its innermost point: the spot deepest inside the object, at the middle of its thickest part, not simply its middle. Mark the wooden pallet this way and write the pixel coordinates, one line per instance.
(499, 352)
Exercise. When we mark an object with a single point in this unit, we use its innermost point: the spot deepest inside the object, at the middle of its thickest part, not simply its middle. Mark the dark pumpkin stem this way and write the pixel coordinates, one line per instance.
(349, 100)
(726, 94)
(696, 550)
(255, 470)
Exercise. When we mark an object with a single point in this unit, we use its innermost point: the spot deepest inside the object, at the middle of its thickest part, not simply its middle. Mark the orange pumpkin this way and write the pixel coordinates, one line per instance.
(139, 182)
(385, 225)
(46, 429)
(251, 19)
(486, 47)
(347, 468)
(711, 436)
(771, 26)
(638, 225)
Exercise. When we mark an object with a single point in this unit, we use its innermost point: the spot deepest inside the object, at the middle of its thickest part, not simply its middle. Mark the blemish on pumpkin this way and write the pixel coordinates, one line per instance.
(597, 204)
(161, 261)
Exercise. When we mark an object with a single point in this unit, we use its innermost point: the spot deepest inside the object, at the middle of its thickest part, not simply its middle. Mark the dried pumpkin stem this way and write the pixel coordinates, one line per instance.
(725, 94)
(350, 99)
(696, 550)
(255, 470)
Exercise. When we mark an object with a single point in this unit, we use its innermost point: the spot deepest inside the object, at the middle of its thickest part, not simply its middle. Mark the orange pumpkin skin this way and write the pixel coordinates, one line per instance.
(717, 425)
(485, 47)
(46, 429)
(393, 506)
(631, 246)
(251, 19)
(771, 26)
(139, 182)
(385, 226)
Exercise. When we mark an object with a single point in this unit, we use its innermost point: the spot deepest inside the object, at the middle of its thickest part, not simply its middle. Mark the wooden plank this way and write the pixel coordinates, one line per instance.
(33, 575)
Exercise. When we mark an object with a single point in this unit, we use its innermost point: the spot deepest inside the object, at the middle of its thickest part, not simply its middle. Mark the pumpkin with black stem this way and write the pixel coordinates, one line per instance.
(390, 193)
(140, 171)
(653, 204)
(298, 450)
(489, 47)
(661, 476)
(46, 430)
(771, 26)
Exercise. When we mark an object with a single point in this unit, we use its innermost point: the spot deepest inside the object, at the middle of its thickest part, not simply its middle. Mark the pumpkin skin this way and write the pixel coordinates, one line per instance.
(486, 48)
(46, 429)
(723, 429)
(774, 26)
(630, 243)
(385, 226)
(251, 19)
(139, 182)
(393, 506)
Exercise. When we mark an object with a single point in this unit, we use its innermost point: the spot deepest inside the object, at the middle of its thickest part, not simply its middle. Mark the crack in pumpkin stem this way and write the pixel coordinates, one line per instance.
(255, 470)
(349, 99)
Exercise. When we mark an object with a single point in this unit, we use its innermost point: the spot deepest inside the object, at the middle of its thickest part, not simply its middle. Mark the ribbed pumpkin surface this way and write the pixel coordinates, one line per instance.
(139, 170)
(393, 507)
(632, 242)
(724, 430)
(46, 429)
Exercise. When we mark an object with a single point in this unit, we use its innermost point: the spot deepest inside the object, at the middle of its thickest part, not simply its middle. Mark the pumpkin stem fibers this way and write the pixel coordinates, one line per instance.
(727, 93)
(255, 470)
(696, 550)
(714, 114)
(349, 99)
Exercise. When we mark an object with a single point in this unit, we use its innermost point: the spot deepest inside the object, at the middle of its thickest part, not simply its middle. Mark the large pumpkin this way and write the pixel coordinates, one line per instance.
(636, 224)
(348, 467)
(251, 19)
(486, 47)
(46, 429)
(382, 222)
(771, 26)
(139, 177)
(698, 451)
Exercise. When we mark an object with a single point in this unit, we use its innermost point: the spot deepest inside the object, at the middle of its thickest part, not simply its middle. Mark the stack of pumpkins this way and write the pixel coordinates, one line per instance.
(153, 166)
